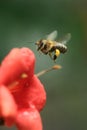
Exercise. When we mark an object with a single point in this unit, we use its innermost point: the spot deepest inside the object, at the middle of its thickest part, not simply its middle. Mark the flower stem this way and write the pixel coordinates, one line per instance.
(1, 121)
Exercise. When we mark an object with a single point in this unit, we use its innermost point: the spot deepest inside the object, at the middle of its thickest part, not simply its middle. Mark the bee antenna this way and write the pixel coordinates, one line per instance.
(30, 42)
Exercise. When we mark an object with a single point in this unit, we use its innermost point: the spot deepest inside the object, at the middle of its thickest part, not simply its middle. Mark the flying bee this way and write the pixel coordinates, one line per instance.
(52, 47)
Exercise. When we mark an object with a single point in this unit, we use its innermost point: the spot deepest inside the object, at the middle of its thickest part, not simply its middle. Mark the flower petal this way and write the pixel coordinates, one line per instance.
(16, 63)
(8, 107)
(36, 93)
(30, 92)
(29, 120)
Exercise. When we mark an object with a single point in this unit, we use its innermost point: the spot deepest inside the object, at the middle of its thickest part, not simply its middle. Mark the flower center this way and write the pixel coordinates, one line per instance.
(15, 85)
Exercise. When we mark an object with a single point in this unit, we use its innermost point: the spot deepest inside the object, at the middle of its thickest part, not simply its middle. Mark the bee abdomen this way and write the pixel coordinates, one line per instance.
(62, 48)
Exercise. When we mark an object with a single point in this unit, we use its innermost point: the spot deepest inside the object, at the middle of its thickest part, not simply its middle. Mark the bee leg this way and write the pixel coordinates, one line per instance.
(40, 53)
(50, 55)
(57, 53)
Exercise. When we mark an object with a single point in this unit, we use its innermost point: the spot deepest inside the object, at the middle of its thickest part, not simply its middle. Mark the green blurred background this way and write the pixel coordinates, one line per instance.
(29, 20)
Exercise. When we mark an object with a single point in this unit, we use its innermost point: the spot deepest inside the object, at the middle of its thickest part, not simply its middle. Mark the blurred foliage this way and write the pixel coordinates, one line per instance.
(29, 20)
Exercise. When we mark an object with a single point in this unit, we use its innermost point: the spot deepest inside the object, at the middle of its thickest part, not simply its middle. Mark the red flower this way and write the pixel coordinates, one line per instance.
(22, 96)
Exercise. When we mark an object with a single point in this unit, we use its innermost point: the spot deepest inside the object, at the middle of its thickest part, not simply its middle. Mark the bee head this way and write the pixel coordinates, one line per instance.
(39, 44)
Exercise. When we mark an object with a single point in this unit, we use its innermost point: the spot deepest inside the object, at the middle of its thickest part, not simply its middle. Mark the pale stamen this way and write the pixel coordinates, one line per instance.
(55, 67)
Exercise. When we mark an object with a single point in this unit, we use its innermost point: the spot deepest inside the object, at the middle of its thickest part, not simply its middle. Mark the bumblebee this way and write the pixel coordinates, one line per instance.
(52, 47)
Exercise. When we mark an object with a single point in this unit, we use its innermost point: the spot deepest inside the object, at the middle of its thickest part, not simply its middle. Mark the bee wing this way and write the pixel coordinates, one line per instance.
(52, 36)
(65, 39)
